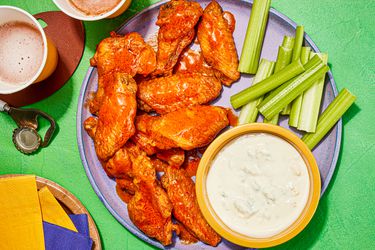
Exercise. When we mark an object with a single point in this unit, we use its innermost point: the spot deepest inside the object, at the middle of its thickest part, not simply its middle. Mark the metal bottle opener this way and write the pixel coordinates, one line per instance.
(26, 138)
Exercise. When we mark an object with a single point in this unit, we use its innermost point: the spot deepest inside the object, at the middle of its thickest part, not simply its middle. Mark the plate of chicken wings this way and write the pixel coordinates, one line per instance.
(156, 94)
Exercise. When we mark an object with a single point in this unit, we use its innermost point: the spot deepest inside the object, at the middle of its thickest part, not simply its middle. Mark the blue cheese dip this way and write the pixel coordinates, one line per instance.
(258, 184)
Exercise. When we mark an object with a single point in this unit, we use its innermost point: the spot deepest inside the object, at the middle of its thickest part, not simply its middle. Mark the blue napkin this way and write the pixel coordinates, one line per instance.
(81, 223)
(59, 238)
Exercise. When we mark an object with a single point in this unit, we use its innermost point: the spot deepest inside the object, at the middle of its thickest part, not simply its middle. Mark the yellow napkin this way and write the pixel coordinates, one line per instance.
(52, 211)
(20, 217)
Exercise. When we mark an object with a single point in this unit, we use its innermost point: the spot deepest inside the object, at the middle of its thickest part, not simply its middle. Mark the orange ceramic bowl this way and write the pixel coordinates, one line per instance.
(214, 220)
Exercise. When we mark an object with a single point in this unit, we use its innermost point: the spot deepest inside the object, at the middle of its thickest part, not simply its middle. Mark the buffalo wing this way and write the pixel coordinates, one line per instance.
(167, 94)
(181, 192)
(186, 128)
(177, 19)
(217, 43)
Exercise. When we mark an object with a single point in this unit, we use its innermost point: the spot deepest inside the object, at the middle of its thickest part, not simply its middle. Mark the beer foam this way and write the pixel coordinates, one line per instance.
(21, 52)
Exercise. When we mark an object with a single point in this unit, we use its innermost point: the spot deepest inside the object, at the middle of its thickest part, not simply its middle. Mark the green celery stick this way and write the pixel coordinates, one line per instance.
(284, 57)
(298, 41)
(268, 84)
(297, 103)
(249, 112)
(329, 117)
(288, 42)
(297, 47)
(287, 92)
(311, 101)
(286, 110)
(254, 37)
(274, 120)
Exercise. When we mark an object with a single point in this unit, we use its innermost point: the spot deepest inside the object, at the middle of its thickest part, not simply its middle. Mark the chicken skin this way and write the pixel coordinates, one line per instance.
(217, 43)
(148, 217)
(119, 166)
(150, 208)
(116, 117)
(181, 191)
(125, 189)
(126, 54)
(174, 157)
(192, 61)
(176, 20)
(170, 93)
(186, 128)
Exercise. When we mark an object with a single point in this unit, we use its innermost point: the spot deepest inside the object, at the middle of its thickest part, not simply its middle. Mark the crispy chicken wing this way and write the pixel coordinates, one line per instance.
(192, 61)
(119, 166)
(174, 157)
(126, 54)
(181, 192)
(217, 43)
(170, 93)
(186, 128)
(150, 208)
(176, 20)
(125, 189)
(116, 117)
(185, 236)
(90, 126)
(147, 216)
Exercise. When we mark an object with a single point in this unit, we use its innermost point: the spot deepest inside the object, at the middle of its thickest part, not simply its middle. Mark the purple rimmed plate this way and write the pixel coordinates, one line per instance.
(326, 153)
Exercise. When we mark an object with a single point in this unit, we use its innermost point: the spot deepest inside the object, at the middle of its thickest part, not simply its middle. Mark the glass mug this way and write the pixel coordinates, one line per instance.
(13, 15)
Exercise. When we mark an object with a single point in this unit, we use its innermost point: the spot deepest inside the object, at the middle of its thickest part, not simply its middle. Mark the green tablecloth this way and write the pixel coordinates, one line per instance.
(345, 216)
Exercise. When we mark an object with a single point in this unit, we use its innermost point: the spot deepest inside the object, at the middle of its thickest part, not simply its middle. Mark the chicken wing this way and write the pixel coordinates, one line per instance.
(125, 189)
(119, 166)
(217, 43)
(90, 126)
(192, 61)
(116, 117)
(148, 217)
(181, 192)
(150, 208)
(185, 236)
(126, 54)
(176, 20)
(170, 93)
(186, 128)
(174, 157)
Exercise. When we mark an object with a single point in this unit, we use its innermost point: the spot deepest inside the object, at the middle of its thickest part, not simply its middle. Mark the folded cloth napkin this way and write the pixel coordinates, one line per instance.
(20, 216)
(52, 211)
(81, 222)
(59, 238)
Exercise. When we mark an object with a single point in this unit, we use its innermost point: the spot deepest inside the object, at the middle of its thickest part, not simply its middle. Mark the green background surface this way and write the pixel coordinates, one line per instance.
(345, 216)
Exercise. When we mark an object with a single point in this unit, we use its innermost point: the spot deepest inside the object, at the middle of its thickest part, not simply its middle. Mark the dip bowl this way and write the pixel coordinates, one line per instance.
(214, 220)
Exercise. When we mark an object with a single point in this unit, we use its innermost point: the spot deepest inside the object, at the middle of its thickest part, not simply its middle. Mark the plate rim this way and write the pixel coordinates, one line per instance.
(81, 104)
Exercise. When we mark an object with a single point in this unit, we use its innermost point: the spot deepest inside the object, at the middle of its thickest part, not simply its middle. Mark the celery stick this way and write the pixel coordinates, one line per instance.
(284, 57)
(268, 84)
(329, 117)
(286, 110)
(298, 43)
(297, 47)
(254, 37)
(297, 103)
(274, 120)
(249, 112)
(311, 101)
(287, 92)
(288, 42)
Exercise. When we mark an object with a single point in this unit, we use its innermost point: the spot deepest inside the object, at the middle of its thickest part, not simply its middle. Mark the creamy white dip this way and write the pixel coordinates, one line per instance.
(258, 185)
